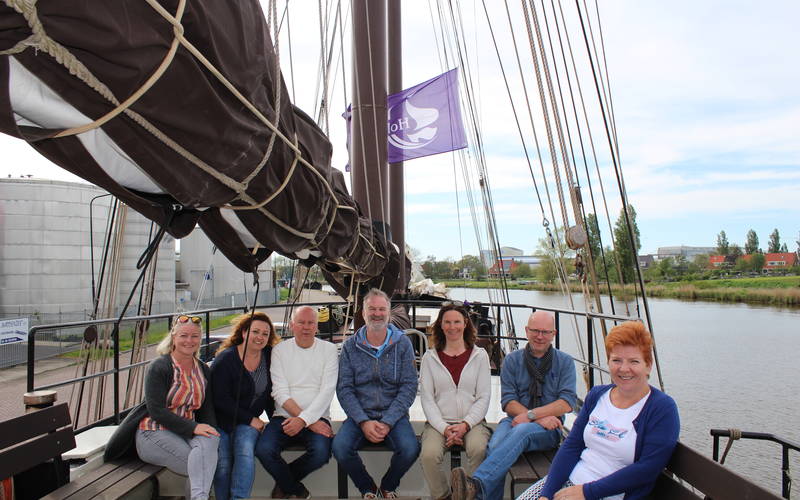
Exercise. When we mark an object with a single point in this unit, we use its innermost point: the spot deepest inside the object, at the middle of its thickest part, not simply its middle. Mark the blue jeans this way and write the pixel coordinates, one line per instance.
(236, 463)
(401, 439)
(288, 476)
(506, 445)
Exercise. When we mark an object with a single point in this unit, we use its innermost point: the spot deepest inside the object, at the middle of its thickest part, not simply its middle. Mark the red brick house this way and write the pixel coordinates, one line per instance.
(779, 260)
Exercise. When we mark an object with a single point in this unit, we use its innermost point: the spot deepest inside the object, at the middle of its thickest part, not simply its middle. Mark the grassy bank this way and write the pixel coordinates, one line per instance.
(769, 290)
(156, 332)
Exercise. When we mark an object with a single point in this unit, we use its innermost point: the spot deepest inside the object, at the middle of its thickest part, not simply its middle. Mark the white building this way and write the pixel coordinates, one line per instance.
(210, 276)
(46, 251)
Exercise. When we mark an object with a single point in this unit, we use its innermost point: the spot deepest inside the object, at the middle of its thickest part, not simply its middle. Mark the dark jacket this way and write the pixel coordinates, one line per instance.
(157, 382)
(226, 373)
(657, 428)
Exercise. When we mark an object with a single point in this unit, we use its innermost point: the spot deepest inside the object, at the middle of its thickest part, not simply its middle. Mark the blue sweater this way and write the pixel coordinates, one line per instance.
(657, 428)
(372, 387)
(226, 371)
(558, 384)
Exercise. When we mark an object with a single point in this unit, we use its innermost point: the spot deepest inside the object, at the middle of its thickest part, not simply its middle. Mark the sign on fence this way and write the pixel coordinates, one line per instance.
(13, 330)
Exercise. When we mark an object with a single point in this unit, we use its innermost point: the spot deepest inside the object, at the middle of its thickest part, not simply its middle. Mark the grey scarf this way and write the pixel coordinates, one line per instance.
(537, 374)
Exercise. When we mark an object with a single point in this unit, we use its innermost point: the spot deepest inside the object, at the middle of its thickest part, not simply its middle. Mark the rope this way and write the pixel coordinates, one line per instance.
(734, 435)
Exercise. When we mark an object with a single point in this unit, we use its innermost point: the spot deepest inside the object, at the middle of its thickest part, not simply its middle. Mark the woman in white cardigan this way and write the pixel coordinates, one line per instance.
(455, 388)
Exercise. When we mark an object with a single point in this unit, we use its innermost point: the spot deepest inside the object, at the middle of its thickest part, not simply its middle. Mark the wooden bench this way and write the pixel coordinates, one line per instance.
(36, 439)
(710, 479)
(112, 480)
(341, 480)
(530, 467)
(686, 471)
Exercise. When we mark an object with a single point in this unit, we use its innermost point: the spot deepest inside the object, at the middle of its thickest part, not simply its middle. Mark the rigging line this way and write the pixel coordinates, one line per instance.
(112, 215)
(617, 264)
(375, 124)
(514, 110)
(343, 23)
(291, 54)
(625, 205)
(206, 278)
(549, 122)
(580, 208)
(607, 86)
(480, 161)
(596, 164)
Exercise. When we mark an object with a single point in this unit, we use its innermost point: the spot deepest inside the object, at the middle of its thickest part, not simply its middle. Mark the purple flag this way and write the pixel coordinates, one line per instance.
(425, 119)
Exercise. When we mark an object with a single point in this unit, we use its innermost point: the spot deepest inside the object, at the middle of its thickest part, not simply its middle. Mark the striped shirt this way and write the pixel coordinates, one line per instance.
(184, 396)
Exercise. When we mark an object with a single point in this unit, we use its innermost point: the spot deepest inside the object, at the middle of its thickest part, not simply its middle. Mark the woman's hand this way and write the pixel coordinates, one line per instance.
(257, 424)
(205, 430)
(571, 493)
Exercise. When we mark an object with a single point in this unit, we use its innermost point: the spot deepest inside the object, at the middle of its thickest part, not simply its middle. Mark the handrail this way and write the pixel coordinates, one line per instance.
(786, 445)
(413, 304)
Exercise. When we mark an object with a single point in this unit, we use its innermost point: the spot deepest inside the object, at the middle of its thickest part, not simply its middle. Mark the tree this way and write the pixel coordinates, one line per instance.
(547, 270)
(593, 234)
(699, 263)
(736, 252)
(723, 247)
(774, 242)
(473, 264)
(757, 261)
(625, 251)
(523, 270)
(751, 245)
(784, 248)
(665, 268)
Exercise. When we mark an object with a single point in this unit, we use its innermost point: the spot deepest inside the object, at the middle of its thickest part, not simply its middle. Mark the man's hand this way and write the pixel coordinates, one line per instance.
(549, 423)
(521, 418)
(571, 493)
(293, 425)
(322, 428)
(374, 431)
(257, 424)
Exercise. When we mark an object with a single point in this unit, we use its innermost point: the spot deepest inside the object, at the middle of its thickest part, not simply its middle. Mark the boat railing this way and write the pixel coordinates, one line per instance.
(786, 445)
(207, 348)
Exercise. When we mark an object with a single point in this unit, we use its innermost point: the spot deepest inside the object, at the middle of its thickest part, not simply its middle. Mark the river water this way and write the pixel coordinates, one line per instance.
(726, 365)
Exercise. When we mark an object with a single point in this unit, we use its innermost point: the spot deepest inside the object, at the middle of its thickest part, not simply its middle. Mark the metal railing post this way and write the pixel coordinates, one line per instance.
(31, 355)
(558, 330)
(115, 333)
(786, 478)
(208, 335)
(590, 357)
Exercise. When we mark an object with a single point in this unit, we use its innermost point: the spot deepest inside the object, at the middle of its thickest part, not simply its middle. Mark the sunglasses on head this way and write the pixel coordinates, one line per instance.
(454, 303)
(185, 319)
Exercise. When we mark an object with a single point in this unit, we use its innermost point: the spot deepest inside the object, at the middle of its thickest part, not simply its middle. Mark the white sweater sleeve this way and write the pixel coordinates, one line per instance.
(427, 383)
(321, 404)
(483, 389)
(280, 383)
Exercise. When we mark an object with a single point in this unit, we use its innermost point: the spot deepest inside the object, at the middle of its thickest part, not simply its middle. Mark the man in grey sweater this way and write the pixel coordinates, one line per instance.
(376, 387)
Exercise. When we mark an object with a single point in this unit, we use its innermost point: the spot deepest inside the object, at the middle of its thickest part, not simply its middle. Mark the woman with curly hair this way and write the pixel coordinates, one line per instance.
(241, 383)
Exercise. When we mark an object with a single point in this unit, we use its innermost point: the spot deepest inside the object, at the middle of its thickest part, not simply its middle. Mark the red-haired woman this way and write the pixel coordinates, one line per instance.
(625, 433)
(241, 383)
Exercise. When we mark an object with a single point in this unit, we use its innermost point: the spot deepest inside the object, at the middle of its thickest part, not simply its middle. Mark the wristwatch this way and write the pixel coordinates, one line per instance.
(531, 414)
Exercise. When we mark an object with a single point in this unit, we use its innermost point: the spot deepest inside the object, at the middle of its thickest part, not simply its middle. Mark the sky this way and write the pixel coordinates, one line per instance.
(707, 113)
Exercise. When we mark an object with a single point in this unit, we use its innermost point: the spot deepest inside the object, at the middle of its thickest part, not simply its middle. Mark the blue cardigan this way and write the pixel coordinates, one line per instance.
(226, 371)
(657, 428)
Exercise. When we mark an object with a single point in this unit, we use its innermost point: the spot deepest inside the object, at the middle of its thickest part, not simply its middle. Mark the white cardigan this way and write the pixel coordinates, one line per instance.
(443, 402)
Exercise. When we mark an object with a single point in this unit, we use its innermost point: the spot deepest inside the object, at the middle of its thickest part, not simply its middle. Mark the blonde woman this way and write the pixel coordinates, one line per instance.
(174, 427)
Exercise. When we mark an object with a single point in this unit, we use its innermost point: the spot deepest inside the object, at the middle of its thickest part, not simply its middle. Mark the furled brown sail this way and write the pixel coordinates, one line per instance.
(188, 150)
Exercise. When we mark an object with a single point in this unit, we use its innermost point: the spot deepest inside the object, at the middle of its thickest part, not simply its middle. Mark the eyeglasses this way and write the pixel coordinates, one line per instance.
(185, 319)
(538, 333)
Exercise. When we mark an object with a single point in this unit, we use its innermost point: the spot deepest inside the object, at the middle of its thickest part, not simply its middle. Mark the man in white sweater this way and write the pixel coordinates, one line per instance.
(304, 370)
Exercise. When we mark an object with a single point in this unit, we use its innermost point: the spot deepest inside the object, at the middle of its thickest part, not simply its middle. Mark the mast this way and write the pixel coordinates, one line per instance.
(396, 174)
(369, 136)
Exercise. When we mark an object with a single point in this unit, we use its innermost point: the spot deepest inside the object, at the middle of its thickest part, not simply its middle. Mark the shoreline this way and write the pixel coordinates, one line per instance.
(724, 291)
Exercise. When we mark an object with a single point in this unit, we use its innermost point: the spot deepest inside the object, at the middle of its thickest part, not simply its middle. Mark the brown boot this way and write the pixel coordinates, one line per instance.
(464, 487)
